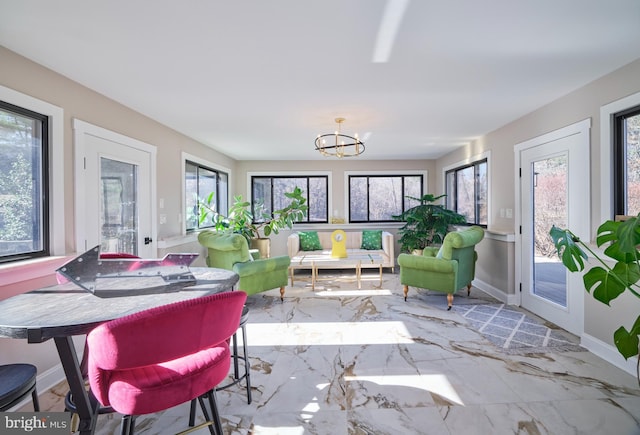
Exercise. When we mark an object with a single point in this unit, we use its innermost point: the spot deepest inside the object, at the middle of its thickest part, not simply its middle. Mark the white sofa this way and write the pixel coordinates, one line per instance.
(353, 243)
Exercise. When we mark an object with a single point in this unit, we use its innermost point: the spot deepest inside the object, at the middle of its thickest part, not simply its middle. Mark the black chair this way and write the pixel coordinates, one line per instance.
(16, 382)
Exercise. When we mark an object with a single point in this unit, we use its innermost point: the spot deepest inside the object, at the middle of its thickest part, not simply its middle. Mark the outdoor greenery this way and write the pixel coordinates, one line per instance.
(242, 221)
(16, 180)
(633, 164)
(606, 283)
(426, 224)
(377, 198)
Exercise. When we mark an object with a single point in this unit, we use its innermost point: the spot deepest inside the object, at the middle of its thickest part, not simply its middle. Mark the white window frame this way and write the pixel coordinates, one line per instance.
(203, 162)
(469, 160)
(294, 174)
(399, 172)
(606, 151)
(56, 159)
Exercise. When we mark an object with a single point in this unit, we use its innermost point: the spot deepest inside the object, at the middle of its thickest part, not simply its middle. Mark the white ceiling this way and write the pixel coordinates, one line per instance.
(259, 80)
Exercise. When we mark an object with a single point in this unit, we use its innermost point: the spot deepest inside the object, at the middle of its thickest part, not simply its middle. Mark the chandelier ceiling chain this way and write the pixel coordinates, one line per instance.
(342, 144)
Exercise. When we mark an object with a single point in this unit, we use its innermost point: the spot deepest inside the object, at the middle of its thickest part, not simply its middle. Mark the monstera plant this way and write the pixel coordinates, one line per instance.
(605, 283)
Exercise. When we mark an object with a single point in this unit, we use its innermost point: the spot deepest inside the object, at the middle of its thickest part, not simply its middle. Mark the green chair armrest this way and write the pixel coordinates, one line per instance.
(261, 266)
(220, 242)
(428, 264)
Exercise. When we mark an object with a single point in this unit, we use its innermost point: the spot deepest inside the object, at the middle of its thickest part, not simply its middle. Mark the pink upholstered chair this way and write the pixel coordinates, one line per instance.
(159, 358)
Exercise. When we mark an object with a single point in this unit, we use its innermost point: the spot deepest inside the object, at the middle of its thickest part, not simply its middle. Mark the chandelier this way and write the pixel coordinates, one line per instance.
(341, 145)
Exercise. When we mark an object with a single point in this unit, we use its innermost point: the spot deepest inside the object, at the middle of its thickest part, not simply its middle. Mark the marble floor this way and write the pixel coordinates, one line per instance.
(343, 360)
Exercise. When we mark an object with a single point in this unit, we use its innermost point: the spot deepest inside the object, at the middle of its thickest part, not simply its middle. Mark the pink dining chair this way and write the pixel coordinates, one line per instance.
(165, 356)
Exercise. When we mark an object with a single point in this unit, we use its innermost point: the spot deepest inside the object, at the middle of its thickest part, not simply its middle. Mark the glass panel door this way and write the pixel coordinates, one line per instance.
(549, 208)
(119, 208)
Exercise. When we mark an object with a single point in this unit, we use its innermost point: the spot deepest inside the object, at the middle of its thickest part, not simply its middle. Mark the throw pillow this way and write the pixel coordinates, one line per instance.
(309, 241)
(371, 239)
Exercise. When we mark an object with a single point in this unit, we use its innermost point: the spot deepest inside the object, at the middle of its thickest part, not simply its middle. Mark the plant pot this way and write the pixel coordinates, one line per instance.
(417, 252)
(263, 244)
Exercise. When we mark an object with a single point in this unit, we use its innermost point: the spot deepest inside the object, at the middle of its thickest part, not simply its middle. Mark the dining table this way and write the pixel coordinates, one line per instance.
(66, 310)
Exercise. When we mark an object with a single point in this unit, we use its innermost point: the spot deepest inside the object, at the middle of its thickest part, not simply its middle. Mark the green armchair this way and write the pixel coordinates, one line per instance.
(446, 269)
(231, 252)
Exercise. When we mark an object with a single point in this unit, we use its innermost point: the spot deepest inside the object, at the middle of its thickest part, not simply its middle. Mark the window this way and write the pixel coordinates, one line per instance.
(267, 194)
(466, 190)
(626, 166)
(200, 182)
(24, 183)
(376, 198)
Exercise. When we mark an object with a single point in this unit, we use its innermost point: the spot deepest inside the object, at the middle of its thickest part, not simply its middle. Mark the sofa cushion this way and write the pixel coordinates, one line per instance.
(309, 241)
(371, 239)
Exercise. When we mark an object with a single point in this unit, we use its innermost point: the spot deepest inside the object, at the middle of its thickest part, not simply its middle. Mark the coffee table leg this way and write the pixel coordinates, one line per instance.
(314, 273)
(380, 275)
(359, 274)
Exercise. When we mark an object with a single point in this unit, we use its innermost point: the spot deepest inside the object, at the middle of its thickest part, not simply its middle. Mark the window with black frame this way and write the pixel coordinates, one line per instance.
(24, 183)
(268, 195)
(376, 198)
(466, 188)
(201, 182)
(626, 157)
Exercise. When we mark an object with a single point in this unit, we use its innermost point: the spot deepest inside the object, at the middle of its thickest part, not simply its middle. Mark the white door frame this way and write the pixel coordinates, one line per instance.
(80, 130)
(582, 230)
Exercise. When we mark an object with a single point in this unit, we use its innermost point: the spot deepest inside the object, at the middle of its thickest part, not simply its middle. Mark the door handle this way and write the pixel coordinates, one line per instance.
(147, 240)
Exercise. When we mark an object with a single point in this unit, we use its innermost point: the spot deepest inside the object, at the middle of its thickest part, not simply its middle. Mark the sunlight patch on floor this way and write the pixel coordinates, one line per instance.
(355, 292)
(437, 384)
(327, 333)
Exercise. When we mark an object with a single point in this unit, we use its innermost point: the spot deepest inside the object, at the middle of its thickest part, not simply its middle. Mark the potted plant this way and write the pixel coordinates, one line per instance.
(426, 224)
(604, 282)
(256, 229)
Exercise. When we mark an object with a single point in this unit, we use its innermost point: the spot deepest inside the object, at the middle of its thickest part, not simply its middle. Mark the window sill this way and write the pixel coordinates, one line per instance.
(14, 273)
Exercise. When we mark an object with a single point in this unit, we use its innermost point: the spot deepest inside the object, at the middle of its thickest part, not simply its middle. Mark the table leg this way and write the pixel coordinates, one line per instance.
(86, 404)
(359, 274)
(380, 275)
(314, 273)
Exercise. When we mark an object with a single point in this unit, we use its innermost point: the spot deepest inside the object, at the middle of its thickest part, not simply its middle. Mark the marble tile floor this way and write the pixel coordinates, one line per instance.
(343, 360)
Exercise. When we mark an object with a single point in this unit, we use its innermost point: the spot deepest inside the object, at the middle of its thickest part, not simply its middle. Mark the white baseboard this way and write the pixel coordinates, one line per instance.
(495, 292)
(608, 353)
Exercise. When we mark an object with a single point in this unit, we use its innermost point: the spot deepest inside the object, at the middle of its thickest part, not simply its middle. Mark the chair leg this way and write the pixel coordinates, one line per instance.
(469, 289)
(247, 365)
(236, 370)
(206, 414)
(449, 301)
(406, 292)
(127, 424)
(282, 293)
(192, 413)
(214, 410)
(34, 396)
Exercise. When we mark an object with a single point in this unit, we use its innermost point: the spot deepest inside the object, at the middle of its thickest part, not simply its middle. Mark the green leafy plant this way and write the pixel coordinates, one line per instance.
(426, 224)
(241, 220)
(604, 282)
